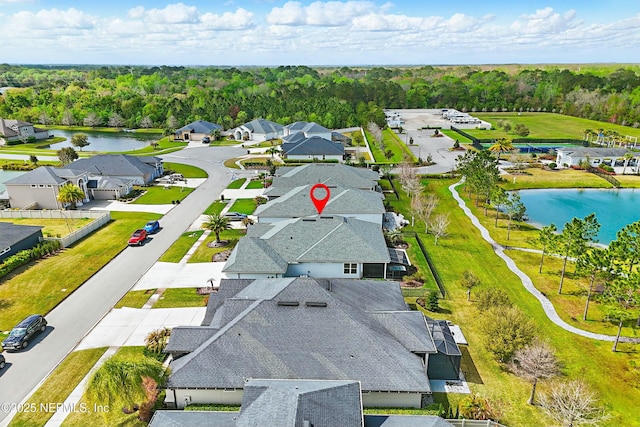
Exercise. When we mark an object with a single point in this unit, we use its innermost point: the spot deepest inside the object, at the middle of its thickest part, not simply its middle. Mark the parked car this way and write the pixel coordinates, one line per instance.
(206, 140)
(152, 227)
(2, 361)
(138, 237)
(23, 331)
(235, 216)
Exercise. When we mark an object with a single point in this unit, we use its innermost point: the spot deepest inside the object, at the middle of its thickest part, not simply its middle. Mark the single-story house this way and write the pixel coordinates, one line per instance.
(15, 238)
(323, 246)
(39, 188)
(295, 403)
(307, 129)
(286, 329)
(299, 147)
(597, 156)
(258, 130)
(365, 205)
(16, 130)
(334, 174)
(142, 170)
(197, 130)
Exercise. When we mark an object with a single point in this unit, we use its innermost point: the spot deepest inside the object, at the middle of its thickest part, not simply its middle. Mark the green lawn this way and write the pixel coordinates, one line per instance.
(565, 178)
(40, 286)
(464, 249)
(159, 195)
(57, 387)
(392, 142)
(187, 171)
(52, 227)
(205, 253)
(245, 206)
(215, 208)
(546, 125)
(180, 247)
(234, 185)
(135, 299)
(456, 136)
(165, 145)
(181, 297)
(255, 184)
(107, 416)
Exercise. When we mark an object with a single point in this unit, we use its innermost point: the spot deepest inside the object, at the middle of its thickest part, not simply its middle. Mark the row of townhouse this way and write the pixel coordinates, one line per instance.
(305, 330)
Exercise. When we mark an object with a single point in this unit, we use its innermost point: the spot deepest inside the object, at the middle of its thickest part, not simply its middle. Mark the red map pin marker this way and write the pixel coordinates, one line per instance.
(319, 203)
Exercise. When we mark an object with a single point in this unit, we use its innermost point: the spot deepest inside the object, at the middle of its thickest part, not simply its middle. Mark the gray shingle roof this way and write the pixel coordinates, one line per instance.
(409, 329)
(326, 239)
(164, 418)
(41, 175)
(306, 127)
(11, 234)
(114, 164)
(199, 126)
(342, 201)
(272, 340)
(327, 173)
(314, 146)
(288, 403)
(185, 339)
(262, 126)
(367, 295)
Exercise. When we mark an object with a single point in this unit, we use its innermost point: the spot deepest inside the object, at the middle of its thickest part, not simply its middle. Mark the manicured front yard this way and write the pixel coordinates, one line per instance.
(159, 195)
(135, 299)
(245, 206)
(187, 171)
(57, 387)
(40, 286)
(234, 185)
(180, 297)
(52, 227)
(180, 247)
(215, 208)
(205, 253)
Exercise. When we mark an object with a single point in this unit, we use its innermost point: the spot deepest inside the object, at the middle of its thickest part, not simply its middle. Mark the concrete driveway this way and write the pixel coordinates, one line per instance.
(180, 275)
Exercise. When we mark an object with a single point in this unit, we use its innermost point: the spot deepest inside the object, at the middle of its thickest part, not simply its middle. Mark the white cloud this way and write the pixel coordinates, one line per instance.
(326, 14)
(178, 13)
(240, 19)
(51, 19)
(136, 12)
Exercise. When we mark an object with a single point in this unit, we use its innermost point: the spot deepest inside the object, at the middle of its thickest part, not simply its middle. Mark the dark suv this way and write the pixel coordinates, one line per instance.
(23, 331)
(2, 362)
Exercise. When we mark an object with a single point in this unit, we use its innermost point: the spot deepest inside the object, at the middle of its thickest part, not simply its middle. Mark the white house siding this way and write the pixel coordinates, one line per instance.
(311, 157)
(231, 397)
(321, 270)
(22, 196)
(391, 400)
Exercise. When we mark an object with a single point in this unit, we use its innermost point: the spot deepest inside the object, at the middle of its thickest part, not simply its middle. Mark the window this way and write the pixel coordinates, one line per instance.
(350, 268)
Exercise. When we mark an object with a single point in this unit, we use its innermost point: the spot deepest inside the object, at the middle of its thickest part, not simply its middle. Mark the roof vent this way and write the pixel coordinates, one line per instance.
(309, 219)
(316, 304)
(288, 303)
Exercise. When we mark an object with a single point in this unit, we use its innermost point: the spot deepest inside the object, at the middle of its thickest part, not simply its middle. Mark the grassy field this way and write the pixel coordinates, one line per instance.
(245, 206)
(215, 208)
(546, 125)
(41, 285)
(180, 247)
(565, 178)
(255, 184)
(187, 171)
(109, 416)
(180, 297)
(464, 249)
(205, 253)
(52, 227)
(158, 195)
(57, 387)
(392, 142)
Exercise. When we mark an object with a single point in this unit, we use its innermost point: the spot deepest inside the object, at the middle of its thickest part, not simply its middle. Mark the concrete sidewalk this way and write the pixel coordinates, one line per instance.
(180, 275)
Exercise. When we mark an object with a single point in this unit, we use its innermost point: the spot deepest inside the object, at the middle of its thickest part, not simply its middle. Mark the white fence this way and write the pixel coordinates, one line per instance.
(474, 423)
(100, 218)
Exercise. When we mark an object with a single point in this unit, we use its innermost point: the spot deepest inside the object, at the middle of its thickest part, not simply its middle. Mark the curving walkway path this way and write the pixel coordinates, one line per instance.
(547, 306)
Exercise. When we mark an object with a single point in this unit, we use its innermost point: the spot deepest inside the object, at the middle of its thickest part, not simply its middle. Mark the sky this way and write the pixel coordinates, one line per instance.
(316, 33)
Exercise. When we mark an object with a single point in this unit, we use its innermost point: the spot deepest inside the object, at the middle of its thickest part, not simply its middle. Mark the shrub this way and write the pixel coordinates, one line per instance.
(476, 407)
(506, 331)
(492, 297)
(433, 301)
(21, 258)
(553, 165)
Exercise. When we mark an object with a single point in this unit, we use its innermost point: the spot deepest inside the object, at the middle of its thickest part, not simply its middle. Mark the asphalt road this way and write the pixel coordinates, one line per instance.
(76, 315)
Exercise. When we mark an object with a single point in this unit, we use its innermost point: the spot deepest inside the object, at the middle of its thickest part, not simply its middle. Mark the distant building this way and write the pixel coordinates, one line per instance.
(299, 147)
(17, 130)
(258, 130)
(307, 129)
(196, 131)
(598, 156)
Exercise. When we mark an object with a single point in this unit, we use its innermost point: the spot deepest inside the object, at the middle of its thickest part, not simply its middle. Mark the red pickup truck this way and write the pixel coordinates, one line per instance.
(138, 237)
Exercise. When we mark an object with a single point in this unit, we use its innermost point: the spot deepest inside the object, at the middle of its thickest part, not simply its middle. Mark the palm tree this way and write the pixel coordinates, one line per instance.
(272, 150)
(502, 145)
(70, 194)
(157, 340)
(120, 381)
(216, 223)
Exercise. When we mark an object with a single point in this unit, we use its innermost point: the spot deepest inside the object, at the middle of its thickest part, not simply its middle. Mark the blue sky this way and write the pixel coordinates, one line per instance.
(276, 32)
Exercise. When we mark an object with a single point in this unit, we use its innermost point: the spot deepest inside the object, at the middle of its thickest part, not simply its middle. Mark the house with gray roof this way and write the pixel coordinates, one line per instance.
(39, 188)
(17, 130)
(15, 238)
(322, 246)
(315, 147)
(286, 329)
(598, 156)
(258, 130)
(287, 178)
(307, 129)
(196, 131)
(142, 170)
(295, 403)
(365, 205)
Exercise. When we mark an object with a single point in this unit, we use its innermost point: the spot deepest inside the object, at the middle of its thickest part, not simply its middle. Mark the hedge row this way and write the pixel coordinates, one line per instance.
(42, 250)
(288, 161)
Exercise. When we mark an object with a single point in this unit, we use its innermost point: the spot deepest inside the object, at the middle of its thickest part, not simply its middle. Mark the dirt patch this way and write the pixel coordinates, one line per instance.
(220, 244)
(411, 284)
(221, 256)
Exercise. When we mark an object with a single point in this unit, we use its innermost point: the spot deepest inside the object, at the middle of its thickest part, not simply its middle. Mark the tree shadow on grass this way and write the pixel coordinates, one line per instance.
(469, 368)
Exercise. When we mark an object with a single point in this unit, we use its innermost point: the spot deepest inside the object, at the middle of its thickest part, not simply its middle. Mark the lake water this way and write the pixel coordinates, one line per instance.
(106, 141)
(613, 208)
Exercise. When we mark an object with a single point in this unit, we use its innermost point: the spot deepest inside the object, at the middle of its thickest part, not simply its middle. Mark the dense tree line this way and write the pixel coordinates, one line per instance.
(334, 97)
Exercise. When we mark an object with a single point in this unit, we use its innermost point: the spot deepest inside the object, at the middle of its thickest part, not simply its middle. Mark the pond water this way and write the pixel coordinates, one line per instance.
(6, 176)
(613, 208)
(106, 141)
